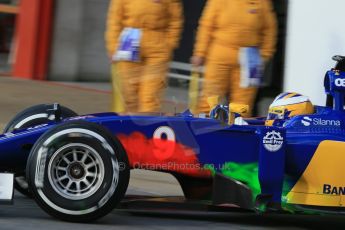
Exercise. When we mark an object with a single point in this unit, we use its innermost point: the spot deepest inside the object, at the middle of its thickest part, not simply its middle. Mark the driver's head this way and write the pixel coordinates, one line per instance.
(287, 105)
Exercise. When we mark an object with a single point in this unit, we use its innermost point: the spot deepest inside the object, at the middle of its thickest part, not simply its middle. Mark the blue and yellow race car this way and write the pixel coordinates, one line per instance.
(78, 167)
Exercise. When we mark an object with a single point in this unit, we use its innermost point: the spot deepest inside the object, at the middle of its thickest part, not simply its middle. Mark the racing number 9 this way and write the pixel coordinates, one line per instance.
(164, 142)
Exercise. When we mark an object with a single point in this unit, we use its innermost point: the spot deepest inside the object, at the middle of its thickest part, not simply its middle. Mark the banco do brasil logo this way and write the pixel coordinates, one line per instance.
(273, 141)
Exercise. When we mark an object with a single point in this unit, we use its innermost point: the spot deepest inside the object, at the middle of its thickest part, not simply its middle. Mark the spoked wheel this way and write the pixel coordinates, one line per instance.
(78, 171)
(32, 116)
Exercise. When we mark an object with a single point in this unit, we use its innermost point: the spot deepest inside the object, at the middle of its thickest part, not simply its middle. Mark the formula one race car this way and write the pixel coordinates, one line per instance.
(78, 167)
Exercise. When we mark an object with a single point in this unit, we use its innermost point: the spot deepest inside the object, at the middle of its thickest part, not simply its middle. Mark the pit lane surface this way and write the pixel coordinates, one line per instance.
(25, 214)
(16, 94)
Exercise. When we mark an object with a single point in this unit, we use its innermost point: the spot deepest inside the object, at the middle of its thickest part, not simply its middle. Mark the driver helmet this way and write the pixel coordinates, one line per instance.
(287, 105)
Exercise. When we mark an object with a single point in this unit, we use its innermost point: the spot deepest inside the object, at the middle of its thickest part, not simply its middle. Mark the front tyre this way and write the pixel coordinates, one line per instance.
(29, 117)
(78, 171)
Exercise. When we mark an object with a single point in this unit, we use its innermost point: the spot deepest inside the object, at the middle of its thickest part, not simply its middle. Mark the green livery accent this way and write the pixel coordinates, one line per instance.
(245, 173)
(248, 174)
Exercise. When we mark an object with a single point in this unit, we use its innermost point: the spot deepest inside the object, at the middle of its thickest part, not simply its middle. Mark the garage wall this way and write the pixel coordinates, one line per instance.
(78, 50)
(94, 63)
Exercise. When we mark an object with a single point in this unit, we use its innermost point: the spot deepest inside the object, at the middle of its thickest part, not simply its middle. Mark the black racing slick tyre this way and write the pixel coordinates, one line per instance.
(78, 171)
(35, 115)
(32, 116)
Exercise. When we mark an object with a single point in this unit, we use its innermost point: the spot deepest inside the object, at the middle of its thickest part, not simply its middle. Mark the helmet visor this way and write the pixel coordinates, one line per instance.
(276, 113)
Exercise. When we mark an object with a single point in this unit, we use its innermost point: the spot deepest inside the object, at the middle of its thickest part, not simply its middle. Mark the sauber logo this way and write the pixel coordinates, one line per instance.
(273, 141)
(340, 82)
(307, 121)
(333, 190)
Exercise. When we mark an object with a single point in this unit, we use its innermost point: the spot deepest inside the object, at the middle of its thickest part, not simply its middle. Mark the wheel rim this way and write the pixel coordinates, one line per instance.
(76, 171)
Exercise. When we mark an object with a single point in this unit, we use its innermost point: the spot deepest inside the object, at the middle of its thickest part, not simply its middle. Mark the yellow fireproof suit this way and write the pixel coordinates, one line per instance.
(161, 21)
(225, 27)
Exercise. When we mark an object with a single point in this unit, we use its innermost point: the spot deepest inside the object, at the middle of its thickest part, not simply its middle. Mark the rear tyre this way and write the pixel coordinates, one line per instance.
(32, 116)
(78, 171)
(36, 115)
